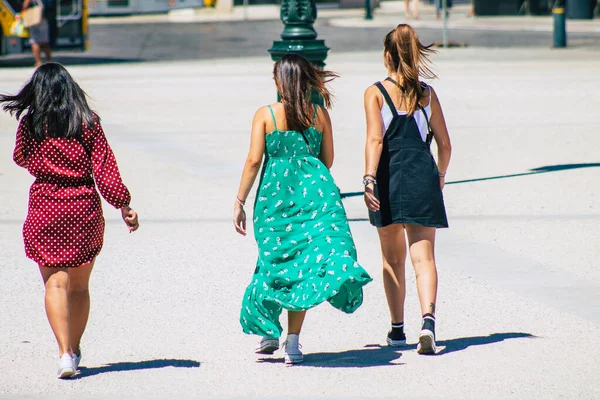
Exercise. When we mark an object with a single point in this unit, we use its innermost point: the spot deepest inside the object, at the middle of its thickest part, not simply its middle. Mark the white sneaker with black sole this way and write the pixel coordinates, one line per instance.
(292, 352)
(66, 367)
(267, 346)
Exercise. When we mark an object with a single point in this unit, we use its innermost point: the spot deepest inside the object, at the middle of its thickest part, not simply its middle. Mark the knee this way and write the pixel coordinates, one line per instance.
(394, 263)
(58, 280)
(78, 288)
(423, 265)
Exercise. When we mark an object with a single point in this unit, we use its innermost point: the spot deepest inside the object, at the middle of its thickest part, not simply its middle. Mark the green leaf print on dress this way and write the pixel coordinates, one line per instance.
(306, 252)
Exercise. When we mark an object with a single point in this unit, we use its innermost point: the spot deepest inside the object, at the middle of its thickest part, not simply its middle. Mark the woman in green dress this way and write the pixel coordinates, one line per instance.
(306, 254)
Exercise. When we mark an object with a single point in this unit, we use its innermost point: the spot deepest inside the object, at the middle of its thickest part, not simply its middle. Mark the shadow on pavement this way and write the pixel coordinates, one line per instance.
(85, 372)
(533, 171)
(374, 355)
(460, 344)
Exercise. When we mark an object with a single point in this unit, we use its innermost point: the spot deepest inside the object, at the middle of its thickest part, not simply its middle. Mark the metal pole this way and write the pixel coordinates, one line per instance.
(368, 13)
(445, 16)
(560, 25)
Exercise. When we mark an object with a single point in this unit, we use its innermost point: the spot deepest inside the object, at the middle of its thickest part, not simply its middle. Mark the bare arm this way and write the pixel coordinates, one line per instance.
(440, 134)
(327, 153)
(26, 5)
(251, 167)
(374, 143)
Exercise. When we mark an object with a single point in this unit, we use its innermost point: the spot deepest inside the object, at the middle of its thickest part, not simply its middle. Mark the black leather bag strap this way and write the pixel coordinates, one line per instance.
(429, 137)
(82, 143)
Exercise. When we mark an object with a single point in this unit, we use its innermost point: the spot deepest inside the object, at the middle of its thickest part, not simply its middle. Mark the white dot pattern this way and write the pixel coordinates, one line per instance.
(65, 226)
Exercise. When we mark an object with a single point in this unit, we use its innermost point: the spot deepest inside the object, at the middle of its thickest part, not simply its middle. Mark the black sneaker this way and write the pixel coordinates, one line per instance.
(396, 338)
(427, 336)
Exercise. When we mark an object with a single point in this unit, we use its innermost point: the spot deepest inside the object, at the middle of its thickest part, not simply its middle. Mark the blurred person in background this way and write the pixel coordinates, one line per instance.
(416, 8)
(40, 35)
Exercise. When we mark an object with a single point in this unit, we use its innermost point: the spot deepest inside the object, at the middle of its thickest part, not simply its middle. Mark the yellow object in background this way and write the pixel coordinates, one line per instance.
(209, 3)
(17, 28)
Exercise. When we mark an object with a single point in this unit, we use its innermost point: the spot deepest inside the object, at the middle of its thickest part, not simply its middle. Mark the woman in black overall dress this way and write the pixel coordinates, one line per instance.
(403, 184)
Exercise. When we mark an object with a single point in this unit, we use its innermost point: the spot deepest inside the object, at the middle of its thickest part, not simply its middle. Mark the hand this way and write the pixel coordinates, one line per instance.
(370, 199)
(131, 218)
(442, 182)
(239, 219)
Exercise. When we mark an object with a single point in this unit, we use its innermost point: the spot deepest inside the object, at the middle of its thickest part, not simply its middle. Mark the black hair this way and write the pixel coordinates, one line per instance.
(54, 104)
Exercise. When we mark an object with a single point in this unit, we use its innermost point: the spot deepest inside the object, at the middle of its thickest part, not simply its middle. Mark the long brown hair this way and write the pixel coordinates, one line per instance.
(296, 78)
(410, 59)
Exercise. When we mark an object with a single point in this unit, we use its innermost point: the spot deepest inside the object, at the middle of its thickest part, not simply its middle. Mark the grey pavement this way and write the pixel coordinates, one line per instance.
(519, 313)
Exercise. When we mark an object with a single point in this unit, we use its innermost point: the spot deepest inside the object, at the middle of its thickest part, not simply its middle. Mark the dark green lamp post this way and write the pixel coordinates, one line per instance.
(299, 36)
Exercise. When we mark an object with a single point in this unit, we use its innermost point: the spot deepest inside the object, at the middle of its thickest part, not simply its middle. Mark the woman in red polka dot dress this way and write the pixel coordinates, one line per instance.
(61, 143)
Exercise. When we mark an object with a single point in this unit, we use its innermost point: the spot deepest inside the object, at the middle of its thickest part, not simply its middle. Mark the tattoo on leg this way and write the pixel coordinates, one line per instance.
(432, 308)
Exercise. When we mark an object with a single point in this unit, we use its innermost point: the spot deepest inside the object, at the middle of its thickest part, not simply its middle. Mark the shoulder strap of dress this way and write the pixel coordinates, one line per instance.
(387, 98)
(273, 116)
(316, 107)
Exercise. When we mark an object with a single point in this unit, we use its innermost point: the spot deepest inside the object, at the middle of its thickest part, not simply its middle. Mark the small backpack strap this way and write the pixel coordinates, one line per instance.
(429, 137)
(387, 98)
(82, 143)
(273, 116)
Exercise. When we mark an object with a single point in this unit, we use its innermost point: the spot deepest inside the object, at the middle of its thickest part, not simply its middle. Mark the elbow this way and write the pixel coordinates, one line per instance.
(375, 144)
(448, 148)
(253, 163)
(445, 148)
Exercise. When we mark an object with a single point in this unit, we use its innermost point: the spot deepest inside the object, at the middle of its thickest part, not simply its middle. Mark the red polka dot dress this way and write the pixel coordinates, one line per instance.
(65, 226)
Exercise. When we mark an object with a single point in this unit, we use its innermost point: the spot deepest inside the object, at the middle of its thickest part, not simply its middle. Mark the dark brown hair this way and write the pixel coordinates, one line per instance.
(296, 78)
(410, 59)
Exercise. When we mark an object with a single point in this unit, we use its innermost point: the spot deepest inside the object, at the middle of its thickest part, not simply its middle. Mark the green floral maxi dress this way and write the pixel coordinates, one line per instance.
(306, 253)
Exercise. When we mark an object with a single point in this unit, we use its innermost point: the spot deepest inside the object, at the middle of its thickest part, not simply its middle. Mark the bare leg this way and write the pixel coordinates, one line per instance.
(407, 8)
(295, 321)
(416, 12)
(79, 303)
(47, 50)
(35, 50)
(421, 241)
(393, 250)
(56, 281)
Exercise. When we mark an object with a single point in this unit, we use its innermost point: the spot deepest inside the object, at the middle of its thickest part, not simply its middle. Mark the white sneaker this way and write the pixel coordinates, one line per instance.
(76, 360)
(292, 352)
(426, 342)
(267, 346)
(66, 367)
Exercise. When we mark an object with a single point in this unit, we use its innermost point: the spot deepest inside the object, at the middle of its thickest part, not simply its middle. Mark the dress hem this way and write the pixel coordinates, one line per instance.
(411, 222)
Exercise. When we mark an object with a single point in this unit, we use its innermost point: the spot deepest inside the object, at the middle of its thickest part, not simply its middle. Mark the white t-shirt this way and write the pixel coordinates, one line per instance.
(386, 114)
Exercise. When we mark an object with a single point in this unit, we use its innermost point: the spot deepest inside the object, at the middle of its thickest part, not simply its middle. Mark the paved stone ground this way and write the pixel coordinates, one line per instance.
(518, 312)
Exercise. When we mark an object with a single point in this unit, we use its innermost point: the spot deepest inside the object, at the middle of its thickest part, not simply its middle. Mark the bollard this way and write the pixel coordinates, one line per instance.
(560, 27)
(368, 13)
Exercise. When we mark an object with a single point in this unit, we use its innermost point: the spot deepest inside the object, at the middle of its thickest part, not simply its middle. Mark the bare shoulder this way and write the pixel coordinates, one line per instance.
(263, 113)
(371, 92)
(323, 113)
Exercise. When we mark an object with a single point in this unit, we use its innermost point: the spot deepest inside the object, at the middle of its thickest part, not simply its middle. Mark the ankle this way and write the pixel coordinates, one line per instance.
(429, 322)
